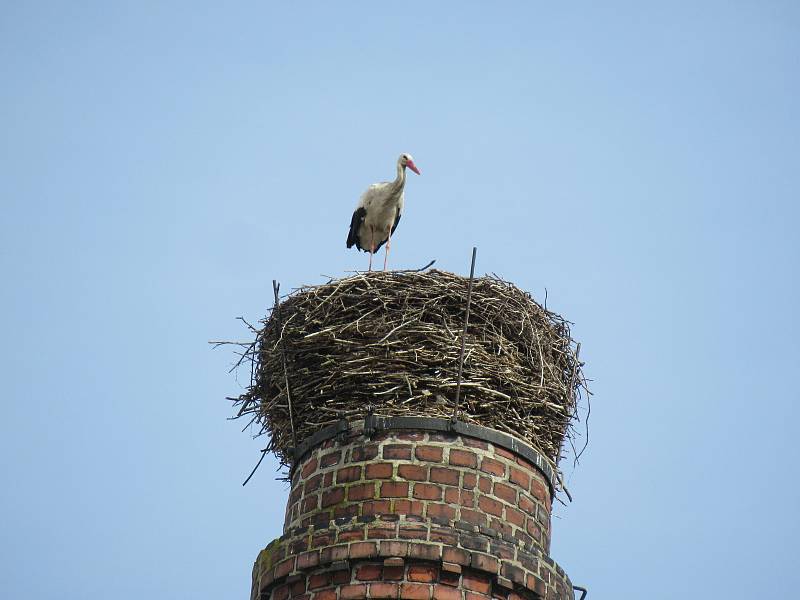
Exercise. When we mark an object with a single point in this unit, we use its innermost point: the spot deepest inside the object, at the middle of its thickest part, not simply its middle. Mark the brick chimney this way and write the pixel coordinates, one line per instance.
(416, 508)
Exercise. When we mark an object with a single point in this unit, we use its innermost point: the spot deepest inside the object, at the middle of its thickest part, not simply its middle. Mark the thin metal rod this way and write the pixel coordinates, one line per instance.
(464, 334)
(275, 288)
(582, 590)
(258, 464)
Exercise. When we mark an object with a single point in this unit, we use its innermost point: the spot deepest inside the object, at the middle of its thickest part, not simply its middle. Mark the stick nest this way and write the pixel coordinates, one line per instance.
(390, 343)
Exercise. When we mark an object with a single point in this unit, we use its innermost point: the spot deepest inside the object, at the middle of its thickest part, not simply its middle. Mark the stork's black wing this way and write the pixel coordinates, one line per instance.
(355, 223)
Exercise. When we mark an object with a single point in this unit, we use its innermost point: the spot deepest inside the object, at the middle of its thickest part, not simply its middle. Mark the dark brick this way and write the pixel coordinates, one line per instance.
(393, 548)
(413, 532)
(363, 550)
(474, 517)
(346, 512)
(473, 443)
(319, 580)
(456, 555)
(443, 535)
(376, 507)
(330, 459)
(477, 582)
(333, 496)
(381, 533)
(369, 572)
(309, 503)
(397, 451)
(367, 452)
(424, 551)
(441, 511)
(485, 562)
(411, 436)
(351, 534)
(515, 574)
(474, 542)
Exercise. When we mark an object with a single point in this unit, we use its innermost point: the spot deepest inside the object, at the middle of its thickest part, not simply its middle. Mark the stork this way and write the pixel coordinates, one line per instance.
(378, 212)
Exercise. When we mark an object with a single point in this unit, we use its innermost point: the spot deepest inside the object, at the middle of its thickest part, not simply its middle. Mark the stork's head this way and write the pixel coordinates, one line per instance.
(406, 160)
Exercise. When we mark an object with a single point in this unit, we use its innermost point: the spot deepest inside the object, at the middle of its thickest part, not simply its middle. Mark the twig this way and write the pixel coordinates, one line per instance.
(464, 334)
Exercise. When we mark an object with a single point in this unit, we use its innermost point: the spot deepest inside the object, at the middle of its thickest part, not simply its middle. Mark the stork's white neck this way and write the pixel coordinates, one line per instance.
(400, 180)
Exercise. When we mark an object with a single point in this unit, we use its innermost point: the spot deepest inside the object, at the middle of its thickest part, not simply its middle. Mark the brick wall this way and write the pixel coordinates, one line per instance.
(413, 515)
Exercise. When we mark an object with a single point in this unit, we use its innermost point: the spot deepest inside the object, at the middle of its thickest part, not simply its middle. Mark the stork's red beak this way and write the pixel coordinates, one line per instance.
(410, 164)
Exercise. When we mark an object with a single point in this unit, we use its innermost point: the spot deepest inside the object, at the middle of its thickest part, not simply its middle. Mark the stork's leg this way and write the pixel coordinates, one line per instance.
(371, 246)
(388, 245)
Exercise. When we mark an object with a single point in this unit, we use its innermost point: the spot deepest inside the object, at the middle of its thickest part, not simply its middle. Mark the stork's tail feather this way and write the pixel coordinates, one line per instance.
(355, 223)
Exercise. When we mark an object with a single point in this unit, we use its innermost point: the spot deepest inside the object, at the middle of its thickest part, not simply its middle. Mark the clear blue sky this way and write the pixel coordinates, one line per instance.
(162, 162)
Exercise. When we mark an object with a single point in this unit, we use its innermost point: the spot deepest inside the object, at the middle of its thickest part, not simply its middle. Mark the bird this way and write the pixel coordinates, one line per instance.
(378, 212)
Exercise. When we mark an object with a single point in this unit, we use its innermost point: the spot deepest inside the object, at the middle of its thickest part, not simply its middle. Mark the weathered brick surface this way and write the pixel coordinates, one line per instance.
(416, 516)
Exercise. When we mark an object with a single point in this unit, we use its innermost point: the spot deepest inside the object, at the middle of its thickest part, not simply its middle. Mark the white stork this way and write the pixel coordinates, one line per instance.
(378, 212)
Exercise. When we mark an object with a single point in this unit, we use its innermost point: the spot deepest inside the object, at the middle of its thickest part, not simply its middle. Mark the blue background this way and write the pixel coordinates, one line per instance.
(162, 162)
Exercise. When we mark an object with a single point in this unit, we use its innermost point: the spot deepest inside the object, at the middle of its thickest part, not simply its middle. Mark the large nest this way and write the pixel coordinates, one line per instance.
(390, 343)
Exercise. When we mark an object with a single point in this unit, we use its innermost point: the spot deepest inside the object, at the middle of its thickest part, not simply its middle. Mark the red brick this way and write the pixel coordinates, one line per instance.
(470, 479)
(325, 595)
(444, 475)
(527, 505)
(408, 507)
(485, 485)
(376, 507)
(413, 472)
(427, 491)
(361, 491)
(505, 492)
(495, 467)
(353, 591)
(445, 535)
(493, 507)
(319, 580)
(467, 498)
(473, 596)
(521, 478)
(333, 496)
(448, 577)
(327, 479)
(370, 572)
(379, 471)
(444, 592)
(514, 516)
(332, 458)
(424, 573)
(383, 590)
(463, 458)
(538, 490)
(415, 591)
(394, 489)
(533, 529)
(442, 511)
(411, 436)
(363, 550)
(340, 577)
(477, 582)
(429, 453)
(348, 474)
(397, 451)
(473, 516)
(452, 495)
(309, 468)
